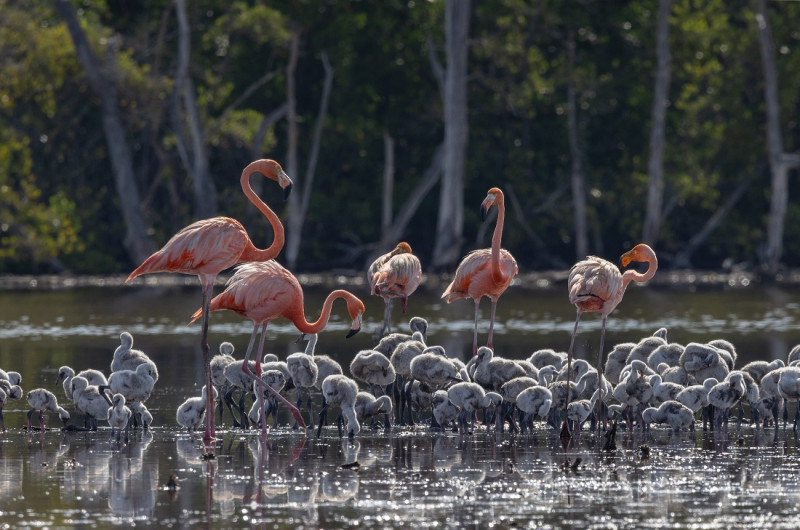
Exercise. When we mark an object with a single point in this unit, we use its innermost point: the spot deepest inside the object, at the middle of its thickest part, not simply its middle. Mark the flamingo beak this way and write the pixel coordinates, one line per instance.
(356, 327)
(301, 337)
(286, 183)
(626, 258)
(485, 205)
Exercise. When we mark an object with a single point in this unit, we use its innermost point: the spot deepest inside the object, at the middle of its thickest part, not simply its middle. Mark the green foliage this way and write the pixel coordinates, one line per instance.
(59, 203)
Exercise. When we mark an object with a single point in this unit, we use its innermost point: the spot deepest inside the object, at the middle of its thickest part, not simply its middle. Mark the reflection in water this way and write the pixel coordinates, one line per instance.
(400, 479)
(133, 485)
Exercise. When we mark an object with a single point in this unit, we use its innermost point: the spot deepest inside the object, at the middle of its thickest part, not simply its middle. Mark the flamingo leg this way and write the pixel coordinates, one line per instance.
(475, 333)
(262, 384)
(564, 426)
(208, 291)
(600, 371)
(491, 324)
(262, 409)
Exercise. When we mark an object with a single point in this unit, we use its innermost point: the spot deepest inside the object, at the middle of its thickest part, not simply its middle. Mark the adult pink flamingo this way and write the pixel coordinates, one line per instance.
(486, 271)
(395, 274)
(264, 291)
(209, 246)
(597, 286)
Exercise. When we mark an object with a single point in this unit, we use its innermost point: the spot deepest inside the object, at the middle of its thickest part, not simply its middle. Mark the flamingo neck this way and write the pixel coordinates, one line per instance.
(497, 236)
(631, 275)
(253, 253)
(303, 326)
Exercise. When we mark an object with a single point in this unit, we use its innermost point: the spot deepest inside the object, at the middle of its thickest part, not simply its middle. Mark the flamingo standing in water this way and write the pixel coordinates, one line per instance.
(210, 246)
(597, 286)
(264, 291)
(395, 274)
(486, 271)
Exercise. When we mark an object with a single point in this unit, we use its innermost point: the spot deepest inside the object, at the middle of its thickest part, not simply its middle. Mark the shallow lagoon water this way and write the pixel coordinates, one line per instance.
(427, 480)
(405, 477)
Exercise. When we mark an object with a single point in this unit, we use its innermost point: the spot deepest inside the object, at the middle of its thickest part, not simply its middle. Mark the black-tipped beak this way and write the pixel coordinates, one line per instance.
(300, 338)
(352, 332)
(60, 378)
(484, 212)
(287, 191)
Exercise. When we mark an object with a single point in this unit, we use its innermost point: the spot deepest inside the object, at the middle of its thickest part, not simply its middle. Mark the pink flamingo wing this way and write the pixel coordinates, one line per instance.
(374, 269)
(594, 279)
(260, 291)
(400, 275)
(204, 247)
(466, 270)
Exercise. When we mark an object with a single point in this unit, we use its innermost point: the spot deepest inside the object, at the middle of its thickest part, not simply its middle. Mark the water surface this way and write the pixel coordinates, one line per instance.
(62, 480)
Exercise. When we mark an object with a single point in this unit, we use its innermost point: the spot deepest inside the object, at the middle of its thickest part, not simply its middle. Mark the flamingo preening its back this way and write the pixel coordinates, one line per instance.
(597, 286)
(206, 248)
(395, 274)
(486, 271)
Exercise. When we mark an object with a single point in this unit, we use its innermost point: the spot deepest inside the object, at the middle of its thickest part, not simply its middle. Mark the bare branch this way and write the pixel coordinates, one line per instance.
(268, 121)
(258, 83)
(406, 212)
(316, 139)
(683, 258)
(436, 64)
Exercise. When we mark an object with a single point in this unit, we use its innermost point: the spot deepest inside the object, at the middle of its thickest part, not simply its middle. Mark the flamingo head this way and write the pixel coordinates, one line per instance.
(640, 252)
(493, 196)
(401, 248)
(356, 309)
(272, 170)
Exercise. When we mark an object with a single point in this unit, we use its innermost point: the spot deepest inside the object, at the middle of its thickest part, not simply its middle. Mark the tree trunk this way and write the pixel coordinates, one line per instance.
(576, 170)
(297, 214)
(450, 223)
(292, 168)
(779, 162)
(406, 212)
(655, 165)
(137, 243)
(388, 182)
(683, 258)
(195, 159)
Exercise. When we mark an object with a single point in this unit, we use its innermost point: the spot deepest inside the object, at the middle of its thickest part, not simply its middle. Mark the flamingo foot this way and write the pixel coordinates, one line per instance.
(565, 434)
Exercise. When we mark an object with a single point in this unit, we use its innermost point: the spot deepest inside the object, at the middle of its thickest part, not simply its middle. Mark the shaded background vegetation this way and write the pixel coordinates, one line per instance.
(60, 208)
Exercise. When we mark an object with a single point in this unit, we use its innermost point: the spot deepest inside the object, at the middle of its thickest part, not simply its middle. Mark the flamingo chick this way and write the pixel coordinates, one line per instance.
(534, 401)
(470, 397)
(192, 412)
(368, 406)
(41, 400)
(340, 391)
(90, 400)
(675, 414)
(119, 416)
(65, 374)
(444, 412)
(373, 368)
(217, 366)
(304, 373)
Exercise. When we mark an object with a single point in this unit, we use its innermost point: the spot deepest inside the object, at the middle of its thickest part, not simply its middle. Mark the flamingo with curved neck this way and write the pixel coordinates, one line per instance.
(209, 246)
(597, 286)
(487, 271)
(265, 291)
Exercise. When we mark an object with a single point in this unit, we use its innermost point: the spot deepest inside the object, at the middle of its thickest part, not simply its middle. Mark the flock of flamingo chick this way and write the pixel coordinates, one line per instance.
(652, 381)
